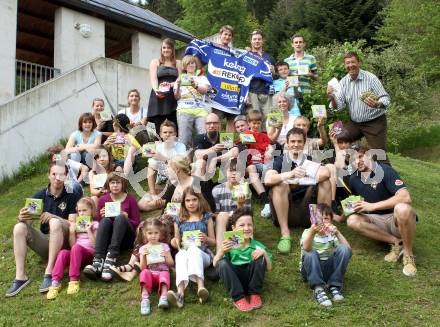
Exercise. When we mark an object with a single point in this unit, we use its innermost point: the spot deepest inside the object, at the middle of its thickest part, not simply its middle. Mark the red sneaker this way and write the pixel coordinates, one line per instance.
(243, 305)
(255, 301)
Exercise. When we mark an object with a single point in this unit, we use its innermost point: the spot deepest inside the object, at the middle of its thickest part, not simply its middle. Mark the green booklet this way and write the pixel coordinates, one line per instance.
(302, 69)
(368, 94)
(242, 188)
(247, 139)
(227, 139)
(154, 254)
(112, 209)
(191, 238)
(35, 206)
(106, 115)
(318, 111)
(173, 208)
(99, 180)
(274, 119)
(185, 79)
(347, 204)
(81, 223)
(236, 237)
(148, 149)
(292, 80)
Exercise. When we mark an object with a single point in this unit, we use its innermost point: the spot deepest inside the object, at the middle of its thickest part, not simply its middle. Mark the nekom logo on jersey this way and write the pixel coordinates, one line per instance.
(228, 75)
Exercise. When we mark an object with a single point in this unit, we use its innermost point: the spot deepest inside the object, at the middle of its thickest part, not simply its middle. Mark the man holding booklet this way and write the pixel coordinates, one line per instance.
(367, 102)
(293, 173)
(53, 207)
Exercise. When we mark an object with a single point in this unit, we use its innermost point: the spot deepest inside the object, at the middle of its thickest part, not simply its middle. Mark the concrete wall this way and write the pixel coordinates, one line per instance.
(8, 19)
(71, 48)
(42, 116)
(144, 48)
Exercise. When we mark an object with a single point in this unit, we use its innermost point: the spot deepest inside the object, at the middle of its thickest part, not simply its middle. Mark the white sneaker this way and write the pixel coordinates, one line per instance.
(321, 298)
(266, 213)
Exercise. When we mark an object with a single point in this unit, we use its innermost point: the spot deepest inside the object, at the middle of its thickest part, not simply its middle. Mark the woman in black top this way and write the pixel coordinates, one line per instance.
(163, 73)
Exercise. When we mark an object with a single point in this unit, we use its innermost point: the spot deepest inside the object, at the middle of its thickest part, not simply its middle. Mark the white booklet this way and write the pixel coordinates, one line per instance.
(334, 83)
(311, 169)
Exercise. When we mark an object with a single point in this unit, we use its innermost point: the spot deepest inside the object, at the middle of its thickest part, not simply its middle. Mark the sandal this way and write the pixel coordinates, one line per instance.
(285, 244)
(73, 287)
(125, 272)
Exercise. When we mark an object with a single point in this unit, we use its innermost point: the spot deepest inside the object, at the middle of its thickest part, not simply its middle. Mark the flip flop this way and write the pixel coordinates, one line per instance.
(285, 244)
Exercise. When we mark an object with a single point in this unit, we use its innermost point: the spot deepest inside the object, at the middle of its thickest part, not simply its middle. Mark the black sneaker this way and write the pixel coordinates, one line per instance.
(106, 274)
(336, 293)
(46, 283)
(16, 287)
(94, 270)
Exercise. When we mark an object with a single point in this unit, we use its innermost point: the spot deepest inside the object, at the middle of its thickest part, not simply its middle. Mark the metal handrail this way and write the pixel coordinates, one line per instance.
(29, 75)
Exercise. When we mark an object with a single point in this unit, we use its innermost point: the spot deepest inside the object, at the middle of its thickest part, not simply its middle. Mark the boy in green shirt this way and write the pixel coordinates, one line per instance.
(242, 268)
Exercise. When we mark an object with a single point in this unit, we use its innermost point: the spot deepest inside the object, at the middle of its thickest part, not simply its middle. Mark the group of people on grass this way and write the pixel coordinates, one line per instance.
(192, 169)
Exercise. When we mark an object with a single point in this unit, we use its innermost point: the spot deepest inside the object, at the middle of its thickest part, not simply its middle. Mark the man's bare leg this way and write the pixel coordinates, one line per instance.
(20, 249)
(406, 221)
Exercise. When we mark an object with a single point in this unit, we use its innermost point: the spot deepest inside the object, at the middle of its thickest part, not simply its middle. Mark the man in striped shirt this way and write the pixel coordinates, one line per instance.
(302, 64)
(367, 103)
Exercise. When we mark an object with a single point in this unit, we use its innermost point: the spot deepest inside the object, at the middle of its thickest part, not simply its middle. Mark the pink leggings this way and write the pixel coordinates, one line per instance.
(78, 255)
(149, 279)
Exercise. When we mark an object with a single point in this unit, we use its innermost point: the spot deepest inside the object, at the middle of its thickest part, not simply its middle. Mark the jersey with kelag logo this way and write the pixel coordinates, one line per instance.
(229, 73)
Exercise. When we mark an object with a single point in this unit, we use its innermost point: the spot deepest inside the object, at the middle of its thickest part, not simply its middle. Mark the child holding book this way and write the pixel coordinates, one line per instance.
(312, 144)
(194, 231)
(82, 243)
(155, 263)
(76, 171)
(129, 271)
(226, 202)
(289, 85)
(119, 216)
(325, 254)
(102, 166)
(260, 153)
(120, 141)
(189, 91)
(165, 150)
(242, 268)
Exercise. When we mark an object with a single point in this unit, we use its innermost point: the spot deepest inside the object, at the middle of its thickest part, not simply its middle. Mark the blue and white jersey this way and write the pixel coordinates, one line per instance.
(229, 73)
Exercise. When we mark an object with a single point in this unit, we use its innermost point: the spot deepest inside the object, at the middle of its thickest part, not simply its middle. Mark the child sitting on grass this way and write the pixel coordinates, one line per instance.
(120, 141)
(193, 257)
(325, 254)
(129, 271)
(81, 252)
(260, 153)
(242, 270)
(156, 261)
(224, 202)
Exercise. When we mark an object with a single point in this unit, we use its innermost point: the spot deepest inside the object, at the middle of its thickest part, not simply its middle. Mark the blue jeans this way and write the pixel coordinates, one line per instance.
(331, 271)
(83, 157)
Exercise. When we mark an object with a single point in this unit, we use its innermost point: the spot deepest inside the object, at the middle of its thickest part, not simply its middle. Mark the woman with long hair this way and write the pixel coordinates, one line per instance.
(163, 73)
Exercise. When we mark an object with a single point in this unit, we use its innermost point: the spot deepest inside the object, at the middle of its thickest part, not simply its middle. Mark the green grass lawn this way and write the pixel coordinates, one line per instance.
(377, 293)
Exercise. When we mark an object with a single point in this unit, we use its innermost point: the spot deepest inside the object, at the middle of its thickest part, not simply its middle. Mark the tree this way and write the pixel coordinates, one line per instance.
(415, 25)
(205, 17)
(168, 9)
(260, 9)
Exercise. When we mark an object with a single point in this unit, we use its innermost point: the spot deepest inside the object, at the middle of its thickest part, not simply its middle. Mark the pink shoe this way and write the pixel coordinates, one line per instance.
(255, 301)
(243, 305)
